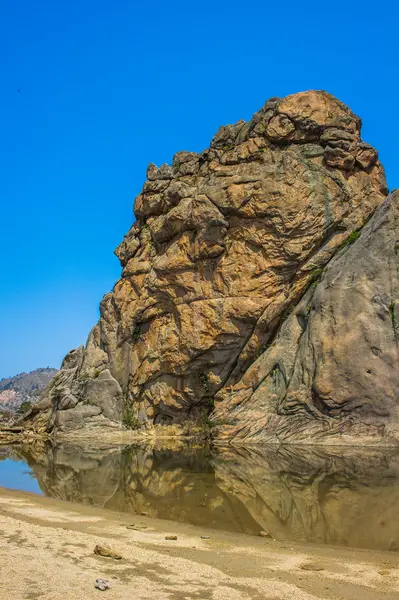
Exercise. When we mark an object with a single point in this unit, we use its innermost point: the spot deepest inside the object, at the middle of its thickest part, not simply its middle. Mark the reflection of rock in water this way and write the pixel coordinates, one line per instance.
(77, 474)
(336, 498)
(177, 485)
(347, 498)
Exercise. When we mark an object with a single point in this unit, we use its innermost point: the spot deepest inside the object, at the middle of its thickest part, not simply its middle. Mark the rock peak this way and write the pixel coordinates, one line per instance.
(226, 245)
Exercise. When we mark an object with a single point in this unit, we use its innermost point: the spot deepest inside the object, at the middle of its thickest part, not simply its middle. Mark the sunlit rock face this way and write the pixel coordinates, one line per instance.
(225, 245)
(335, 497)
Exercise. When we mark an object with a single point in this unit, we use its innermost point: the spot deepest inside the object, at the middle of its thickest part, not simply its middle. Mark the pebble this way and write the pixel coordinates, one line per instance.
(264, 534)
(170, 537)
(144, 514)
(311, 567)
(107, 552)
(205, 537)
(102, 584)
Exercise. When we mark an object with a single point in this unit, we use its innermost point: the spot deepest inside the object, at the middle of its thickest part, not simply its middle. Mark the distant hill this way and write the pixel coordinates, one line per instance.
(25, 387)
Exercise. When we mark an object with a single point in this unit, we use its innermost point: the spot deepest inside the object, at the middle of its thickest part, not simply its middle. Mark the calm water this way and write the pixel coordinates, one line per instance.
(340, 497)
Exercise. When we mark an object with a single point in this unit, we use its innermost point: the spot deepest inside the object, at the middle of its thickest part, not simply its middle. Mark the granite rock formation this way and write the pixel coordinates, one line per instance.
(217, 311)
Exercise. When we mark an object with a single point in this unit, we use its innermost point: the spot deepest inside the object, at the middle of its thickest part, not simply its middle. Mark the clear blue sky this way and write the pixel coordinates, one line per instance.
(107, 87)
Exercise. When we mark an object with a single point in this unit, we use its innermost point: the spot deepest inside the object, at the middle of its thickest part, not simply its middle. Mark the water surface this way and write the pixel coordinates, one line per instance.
(343, 497)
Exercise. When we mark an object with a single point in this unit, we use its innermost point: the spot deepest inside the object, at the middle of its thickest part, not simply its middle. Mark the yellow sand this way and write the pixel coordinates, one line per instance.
(47, 548)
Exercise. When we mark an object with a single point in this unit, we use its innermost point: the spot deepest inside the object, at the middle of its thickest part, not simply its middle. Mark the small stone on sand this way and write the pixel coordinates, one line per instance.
(107, 552)
(311, 567)
(265, 534)
(102, 584)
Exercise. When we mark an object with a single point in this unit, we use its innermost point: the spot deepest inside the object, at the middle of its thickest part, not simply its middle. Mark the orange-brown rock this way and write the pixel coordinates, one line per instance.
(225, 245)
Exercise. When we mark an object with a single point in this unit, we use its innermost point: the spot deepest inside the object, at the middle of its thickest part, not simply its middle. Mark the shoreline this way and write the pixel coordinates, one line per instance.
(167, 435)
(39, 532)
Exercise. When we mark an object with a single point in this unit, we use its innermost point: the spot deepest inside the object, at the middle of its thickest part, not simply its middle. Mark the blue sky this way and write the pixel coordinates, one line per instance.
(107, 87)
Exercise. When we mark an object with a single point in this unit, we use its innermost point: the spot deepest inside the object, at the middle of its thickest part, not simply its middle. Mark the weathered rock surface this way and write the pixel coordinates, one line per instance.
(73, 400)
(224, 248)
(332, 372)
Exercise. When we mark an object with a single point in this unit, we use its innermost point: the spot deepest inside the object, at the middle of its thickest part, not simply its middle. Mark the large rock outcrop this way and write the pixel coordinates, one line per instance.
(218, 271)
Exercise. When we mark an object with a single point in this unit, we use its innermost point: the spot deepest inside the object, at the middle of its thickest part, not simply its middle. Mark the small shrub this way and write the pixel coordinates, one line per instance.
(352, 237)
(97, 373)
(129, 421)
(24, 408)
(136, 332)
(316, 273)
(314, 277)
(209, 424)
(204, 382)
(206, 422)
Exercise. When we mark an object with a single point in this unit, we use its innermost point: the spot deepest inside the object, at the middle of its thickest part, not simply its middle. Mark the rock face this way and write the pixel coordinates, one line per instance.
(219, 269)
(332, 372)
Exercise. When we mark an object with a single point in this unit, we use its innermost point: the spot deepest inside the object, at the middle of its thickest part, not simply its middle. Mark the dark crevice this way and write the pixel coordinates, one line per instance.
(319, 403)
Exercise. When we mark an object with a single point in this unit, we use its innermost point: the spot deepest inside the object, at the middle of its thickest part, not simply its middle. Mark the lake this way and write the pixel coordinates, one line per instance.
(324, 496)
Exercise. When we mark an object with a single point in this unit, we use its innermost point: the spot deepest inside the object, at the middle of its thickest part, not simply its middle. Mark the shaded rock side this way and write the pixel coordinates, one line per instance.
(332, 373)
(225, 244)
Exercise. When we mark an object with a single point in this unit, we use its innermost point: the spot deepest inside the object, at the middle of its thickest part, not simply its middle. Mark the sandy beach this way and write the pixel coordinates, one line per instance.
(47, 552)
